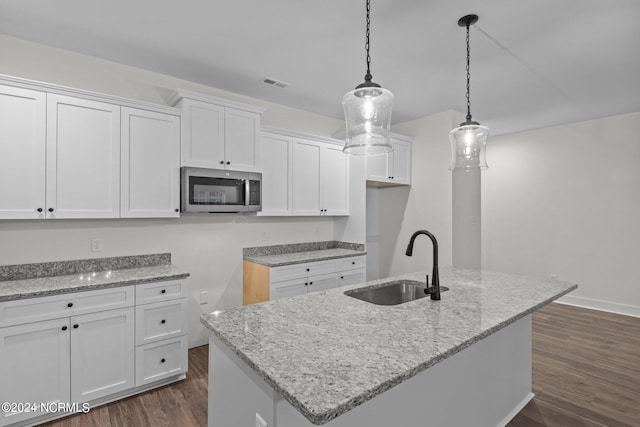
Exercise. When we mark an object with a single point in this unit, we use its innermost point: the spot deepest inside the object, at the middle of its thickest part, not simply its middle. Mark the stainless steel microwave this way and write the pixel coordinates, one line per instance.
(215, 190)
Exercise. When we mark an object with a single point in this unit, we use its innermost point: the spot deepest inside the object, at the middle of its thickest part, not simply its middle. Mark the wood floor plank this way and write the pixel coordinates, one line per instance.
(586, 373)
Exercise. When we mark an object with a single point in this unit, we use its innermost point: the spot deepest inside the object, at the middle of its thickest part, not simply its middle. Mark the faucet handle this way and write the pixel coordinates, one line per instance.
(427, 283)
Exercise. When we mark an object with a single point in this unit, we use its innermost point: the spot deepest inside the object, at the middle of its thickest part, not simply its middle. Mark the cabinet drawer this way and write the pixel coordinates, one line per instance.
(288, 288)
(302, 270)
(161, 320)
(71, 304)
(161, 360)
(161, 291)
(352, 277)
(352, 263)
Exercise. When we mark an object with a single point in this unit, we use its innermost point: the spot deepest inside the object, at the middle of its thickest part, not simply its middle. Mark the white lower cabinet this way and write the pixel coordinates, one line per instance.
(90, 346)
(300, 279)
(161, 331)
(34, 366)
(102, 349)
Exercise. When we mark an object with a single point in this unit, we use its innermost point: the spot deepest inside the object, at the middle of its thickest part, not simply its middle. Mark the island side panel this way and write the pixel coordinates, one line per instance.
(236, 392)
(484, 385)
(255, 283)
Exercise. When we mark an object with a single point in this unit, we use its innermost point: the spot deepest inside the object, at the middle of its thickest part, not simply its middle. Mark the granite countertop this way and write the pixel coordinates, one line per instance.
(279, 255)
(52, 278)
(327, 353)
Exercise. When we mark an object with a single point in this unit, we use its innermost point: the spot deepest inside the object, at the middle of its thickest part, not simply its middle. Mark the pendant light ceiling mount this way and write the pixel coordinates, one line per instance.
(367, 111)
(469, 140)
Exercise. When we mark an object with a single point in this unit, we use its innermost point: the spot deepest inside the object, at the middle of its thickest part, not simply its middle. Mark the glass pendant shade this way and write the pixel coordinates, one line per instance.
(468, 146)
(367, 112)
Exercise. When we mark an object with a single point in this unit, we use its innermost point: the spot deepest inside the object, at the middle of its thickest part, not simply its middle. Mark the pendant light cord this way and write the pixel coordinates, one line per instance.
(368, 77)
(468, 77)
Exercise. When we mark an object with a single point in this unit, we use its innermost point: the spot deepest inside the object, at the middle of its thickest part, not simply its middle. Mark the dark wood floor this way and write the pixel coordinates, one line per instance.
(586, 372)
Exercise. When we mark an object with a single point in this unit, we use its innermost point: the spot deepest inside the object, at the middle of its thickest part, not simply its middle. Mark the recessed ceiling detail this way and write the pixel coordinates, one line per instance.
(273, 82)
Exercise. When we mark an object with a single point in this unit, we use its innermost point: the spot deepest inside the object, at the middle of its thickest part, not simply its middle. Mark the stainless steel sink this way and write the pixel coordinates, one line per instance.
(392, 293)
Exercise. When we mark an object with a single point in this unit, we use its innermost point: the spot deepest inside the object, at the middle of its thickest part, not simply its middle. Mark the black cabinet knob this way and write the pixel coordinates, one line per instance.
(310, 283)
(163, 291)
(306, 284)
(307, 269)
(222, 162)
(162, 322)
(70, 305)
(64, 328)
(342, 277)
(75, 326)
(50, 209)
(353, 263)
(177, 210)
(39, 209)
(228, 163)
(162, 360)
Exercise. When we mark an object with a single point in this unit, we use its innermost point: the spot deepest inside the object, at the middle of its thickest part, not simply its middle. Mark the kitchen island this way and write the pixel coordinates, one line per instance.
(327, 358)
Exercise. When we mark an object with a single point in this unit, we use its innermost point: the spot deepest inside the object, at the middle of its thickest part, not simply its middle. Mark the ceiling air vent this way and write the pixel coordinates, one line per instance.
(273, 82)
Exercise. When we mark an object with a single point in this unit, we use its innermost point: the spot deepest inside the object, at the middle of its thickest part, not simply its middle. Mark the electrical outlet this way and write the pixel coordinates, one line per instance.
(97, 245)
(260, 422)
(204, 297)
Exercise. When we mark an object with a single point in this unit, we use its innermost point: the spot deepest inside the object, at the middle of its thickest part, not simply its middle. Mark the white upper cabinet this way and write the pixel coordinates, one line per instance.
(303, 175)
(218, 133)
(83, 158)
(70, 153)
(276, 174)
(393, 168)
(22, 152)
(150, 145)
(334, 181)
(306, 177)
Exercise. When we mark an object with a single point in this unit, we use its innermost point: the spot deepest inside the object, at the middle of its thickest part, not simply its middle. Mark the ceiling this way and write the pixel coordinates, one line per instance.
(533, 64)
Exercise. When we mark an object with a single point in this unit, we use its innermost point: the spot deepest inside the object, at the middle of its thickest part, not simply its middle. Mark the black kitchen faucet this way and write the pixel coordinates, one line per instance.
(434, 290)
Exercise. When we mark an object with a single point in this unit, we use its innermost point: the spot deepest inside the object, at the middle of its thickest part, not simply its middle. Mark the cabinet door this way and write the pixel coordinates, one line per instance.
(83, 158)
(22, 153)
(334, 181)
(34, 365)
(150, 164)
(202, 134)
(378, 168)
(352, 277)
(276, 167)
(242, 140)
(401, 162)
(306, 177)
(322, 282)
(288, 288)
(102, 354)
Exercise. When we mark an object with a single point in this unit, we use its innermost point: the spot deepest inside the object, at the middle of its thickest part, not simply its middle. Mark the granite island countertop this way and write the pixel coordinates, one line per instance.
(298, 253)
(43, 279)
(327, 353)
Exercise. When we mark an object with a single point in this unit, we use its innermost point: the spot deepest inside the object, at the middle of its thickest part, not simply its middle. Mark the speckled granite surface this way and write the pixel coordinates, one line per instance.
(297, 253)
(327, 353)
(126, 271)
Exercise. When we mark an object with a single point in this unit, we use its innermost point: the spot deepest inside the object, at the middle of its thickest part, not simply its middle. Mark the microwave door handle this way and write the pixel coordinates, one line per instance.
(247, 192)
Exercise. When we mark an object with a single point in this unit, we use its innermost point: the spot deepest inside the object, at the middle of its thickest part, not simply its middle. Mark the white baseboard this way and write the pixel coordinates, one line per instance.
(516, 410)
(611, 307)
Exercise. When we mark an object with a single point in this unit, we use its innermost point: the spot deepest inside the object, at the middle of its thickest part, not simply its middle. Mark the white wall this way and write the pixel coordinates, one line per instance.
(565, 201)
(210, 246)
(425, 205)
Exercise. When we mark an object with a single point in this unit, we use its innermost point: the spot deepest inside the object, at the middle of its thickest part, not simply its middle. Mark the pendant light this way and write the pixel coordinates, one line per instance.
(469, 140)
(367, 112)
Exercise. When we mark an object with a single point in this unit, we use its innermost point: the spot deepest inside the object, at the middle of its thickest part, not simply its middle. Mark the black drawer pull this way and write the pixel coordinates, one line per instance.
(64, 328)
(342, 277)
(50, 209)
(162, 360)
(164, 291)
(76, 326)
(353, 263)
(70, 305)
(310, 283)
(39, 209)
(307, 269)
(306, 284)
(162, 322)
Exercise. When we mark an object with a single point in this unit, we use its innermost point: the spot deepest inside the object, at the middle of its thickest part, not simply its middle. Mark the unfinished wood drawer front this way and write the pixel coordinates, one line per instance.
(302, 270)
(161, 291)
(56, 306)
(160, 360)
(162, 320)
(352, 263)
